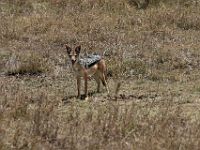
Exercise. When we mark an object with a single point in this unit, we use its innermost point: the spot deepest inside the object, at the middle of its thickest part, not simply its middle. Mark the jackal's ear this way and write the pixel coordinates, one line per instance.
(78, 49)
(68, 48)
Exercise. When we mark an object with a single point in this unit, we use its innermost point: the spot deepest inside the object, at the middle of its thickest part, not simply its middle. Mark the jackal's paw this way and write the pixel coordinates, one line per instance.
(86, 98)
(109, 95)
(78, 97)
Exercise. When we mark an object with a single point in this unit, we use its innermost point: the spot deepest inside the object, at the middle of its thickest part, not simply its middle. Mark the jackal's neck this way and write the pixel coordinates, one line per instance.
(77, 66)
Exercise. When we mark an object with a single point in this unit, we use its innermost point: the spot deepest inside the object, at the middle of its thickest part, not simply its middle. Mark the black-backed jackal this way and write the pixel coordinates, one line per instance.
(92, 65)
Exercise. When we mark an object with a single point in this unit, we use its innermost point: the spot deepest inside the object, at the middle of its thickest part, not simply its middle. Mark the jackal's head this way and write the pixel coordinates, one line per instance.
(73, 53)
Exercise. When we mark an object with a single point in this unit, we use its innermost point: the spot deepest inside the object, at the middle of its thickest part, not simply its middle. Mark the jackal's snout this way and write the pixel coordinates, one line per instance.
(73, 60)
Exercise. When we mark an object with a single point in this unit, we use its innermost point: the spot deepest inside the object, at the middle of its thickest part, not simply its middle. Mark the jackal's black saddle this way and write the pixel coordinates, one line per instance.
(90, 60)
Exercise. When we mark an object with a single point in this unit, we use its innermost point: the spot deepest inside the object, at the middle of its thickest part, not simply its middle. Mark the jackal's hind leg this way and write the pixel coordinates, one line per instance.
(104, 82)
(97, 79)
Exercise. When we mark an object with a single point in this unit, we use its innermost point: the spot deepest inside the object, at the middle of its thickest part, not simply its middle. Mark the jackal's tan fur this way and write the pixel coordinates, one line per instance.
(98, 71)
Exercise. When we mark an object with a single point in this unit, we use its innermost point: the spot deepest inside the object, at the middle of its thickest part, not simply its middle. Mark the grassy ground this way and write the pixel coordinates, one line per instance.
(153, 53)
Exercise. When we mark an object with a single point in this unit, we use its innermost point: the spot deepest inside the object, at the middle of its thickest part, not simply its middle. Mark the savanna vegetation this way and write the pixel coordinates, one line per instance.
(152, 52)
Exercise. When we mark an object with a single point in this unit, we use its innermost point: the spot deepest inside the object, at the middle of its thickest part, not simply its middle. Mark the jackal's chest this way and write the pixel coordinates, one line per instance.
(81, 71)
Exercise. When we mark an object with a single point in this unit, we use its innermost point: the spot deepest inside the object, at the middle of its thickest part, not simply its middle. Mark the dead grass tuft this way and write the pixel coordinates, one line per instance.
(188, 23)
(26, 64)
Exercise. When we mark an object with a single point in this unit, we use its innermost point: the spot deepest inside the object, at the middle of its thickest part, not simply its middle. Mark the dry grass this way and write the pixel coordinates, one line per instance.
(28, 63)
(153, 67)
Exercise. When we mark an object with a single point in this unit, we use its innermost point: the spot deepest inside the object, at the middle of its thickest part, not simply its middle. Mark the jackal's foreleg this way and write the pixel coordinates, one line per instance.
(79, 86)
(86, 86)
